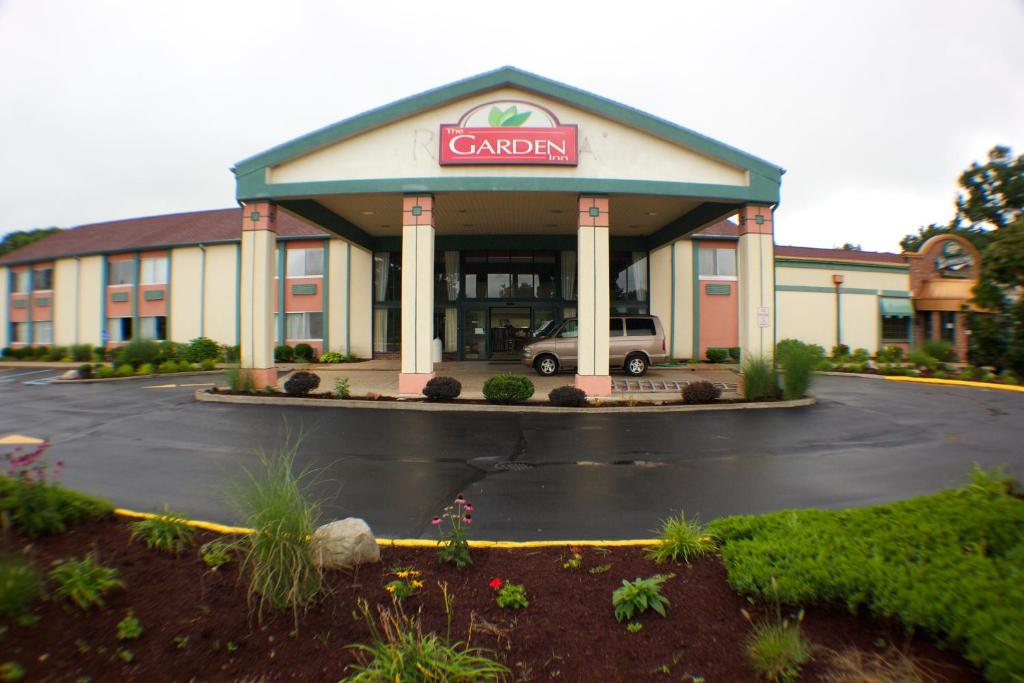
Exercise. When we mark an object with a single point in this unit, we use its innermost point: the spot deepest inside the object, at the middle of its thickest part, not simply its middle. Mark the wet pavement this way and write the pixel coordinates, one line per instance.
(146, 443)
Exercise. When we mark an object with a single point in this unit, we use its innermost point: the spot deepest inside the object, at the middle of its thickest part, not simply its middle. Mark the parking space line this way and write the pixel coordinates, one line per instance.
(12, 378)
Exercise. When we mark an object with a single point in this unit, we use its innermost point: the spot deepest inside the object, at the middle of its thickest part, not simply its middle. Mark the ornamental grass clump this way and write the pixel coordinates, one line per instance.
(681, 539)
(798, 361)
(277, 556)
(400, 651)
(759, 380)
(453, 532)
(167, 532)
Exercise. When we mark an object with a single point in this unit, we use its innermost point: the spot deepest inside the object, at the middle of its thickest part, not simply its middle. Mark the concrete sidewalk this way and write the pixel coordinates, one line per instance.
(381, 377)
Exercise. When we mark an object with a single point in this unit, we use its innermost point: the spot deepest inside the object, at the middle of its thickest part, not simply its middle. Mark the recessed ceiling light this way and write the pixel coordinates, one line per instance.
(366, 213)
(652, 213)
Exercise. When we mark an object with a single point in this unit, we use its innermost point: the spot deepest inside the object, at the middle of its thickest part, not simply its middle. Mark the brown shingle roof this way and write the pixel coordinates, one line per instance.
(151, 232)
(838, 255)
(719, 229)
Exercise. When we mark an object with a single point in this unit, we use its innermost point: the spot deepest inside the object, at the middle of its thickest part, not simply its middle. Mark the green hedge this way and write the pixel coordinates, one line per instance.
(950, 564)
(41, 510)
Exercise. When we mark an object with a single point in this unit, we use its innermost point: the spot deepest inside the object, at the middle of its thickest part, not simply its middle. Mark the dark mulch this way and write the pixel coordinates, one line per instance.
(567, 633)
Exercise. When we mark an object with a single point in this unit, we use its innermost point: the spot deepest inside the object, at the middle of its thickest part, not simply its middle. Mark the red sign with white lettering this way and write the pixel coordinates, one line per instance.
(505, 140)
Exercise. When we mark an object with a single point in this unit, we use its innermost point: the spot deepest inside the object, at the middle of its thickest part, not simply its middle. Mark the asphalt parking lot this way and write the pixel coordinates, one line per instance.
(145, 443)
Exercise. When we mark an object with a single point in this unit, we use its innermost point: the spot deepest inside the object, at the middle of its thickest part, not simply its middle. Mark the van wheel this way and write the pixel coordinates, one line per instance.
(636, 365)
(546, 366)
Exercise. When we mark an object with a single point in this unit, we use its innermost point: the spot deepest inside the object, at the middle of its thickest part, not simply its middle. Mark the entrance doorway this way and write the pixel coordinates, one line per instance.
(500, 332)
(510, 330)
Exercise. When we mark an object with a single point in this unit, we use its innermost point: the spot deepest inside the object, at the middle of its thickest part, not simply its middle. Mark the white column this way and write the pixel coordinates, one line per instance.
(593, 297)
(756, 268)
(259, 244)
(417, 294)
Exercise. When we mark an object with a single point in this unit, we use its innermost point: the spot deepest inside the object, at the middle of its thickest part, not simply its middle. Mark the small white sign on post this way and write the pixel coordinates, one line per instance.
(763, 317)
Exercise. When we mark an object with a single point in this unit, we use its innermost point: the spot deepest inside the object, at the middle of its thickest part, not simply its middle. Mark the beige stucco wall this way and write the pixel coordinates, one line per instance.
(857, 279)
(860, 321)
(337, 267)
(755, 267)
(5, 302)
(661, 295)
(186, 279)
(222, 293)
(361, 302)
(65, 302)
(259, 256)
(807, 316)
(90, 300)
(409, 149)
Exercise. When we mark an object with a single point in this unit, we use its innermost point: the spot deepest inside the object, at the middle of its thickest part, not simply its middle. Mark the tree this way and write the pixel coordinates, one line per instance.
(21, 238)
(994, 191)
(850, 246)
(977, 236)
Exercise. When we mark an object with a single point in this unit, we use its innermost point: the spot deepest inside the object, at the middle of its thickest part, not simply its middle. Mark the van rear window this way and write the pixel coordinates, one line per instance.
(640, 327)
(615, 327)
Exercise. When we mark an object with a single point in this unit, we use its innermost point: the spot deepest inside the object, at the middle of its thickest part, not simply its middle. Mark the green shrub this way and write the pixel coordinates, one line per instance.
(635, 597)
(125, 370)
(342, 389)
(860, 355)
(84, 582)
(167, 366)
(939, 349)
(231, 354)
(442, 388)
(167, 532)
(680, 539)
(217, 553)
(184, 366)
(332, 357)
(20, 587)
(301, 383)
(701, 391)
(303, 353)
(716, 355)
(508, 389)
(200, 349)
(778, 650)
(40, 508)
(55, 353)
(11, 671)
(278, 556)
(85, 371)
(81, 353)
(798, 361)
(138, 352)
(283, 353)
(104, 371)
(759, 379)
(170, 350)
(890, 354)
(921, 359)
(568, 397)
(840, 352)
(145, 369)
(512, 596)
(949, 564)
(129, 628)
(208, 364)
(400, 651)
(734, 354)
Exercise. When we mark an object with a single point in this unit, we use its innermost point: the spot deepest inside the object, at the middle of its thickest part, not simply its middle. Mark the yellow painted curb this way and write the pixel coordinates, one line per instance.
(20, 440)
(955, 382)
(410, 542)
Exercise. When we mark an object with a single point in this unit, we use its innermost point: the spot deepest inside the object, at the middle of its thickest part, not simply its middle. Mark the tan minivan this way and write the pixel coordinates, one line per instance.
(634, 343)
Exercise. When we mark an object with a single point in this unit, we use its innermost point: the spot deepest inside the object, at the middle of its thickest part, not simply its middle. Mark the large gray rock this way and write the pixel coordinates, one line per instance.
(344, 544)
(72, 374)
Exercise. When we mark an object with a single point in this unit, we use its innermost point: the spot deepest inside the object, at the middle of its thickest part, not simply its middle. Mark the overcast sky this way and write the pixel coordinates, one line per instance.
(118, 109)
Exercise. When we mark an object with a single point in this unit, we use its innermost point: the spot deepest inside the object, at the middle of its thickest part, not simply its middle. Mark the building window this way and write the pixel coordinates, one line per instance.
(120, 272)
(19, 282)
(153, 327)
(42, 279)
(42, 332)
(717, 262)
(628, 275)
(511, 274)
(154, 271)
(387, 276)
(119, 329)
(387, 330)
(895, 328)
(304, 326)
(305, 262)
(19, 333)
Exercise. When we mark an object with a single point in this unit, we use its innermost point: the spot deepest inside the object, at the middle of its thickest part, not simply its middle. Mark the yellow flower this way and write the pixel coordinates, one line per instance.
(417, 584)
(402, 574)
(391, 588)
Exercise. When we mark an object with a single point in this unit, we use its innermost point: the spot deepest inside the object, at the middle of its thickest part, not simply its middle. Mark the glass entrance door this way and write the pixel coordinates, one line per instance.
(474, 333)
(510, 329)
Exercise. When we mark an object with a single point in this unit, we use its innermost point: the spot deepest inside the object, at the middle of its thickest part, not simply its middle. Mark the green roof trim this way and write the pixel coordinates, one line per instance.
(499, 78)
(823, 264)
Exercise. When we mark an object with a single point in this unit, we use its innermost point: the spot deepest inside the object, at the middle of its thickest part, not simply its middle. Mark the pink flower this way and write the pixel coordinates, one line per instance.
(467, 520)
(460, 500)
(496, 584)
(435, 521)
(469, 508)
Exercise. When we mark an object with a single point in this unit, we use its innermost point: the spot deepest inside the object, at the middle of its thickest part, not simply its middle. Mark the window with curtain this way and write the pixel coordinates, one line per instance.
(42, 279)
(120, 272)
(305, 262)
(153, 271)
(387, 276)
(304, 326)
(119, 329)
(628, 275)
(153, 327)
(19, 333)
(569, 276)
(717, 262)
(42, 332)
(387, 330)
(19, 282)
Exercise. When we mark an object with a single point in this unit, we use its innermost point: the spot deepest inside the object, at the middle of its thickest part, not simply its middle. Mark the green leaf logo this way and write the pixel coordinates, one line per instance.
(511, 117)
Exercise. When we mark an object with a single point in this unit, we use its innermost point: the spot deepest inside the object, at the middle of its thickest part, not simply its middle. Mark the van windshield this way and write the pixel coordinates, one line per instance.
(546, 329)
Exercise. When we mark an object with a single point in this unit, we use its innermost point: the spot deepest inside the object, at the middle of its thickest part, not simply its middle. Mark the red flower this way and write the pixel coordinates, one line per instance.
(575, 549)
(496, 584)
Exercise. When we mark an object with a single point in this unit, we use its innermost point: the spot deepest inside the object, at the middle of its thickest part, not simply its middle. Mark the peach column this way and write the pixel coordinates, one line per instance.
(417, 294)
(259, 244)
(593, 297)
(755, 255)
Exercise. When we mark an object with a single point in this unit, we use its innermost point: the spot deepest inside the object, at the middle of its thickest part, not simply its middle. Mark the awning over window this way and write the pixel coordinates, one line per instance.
(896, 308)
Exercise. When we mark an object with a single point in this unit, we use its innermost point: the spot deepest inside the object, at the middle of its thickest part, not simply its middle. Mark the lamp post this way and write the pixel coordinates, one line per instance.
(837, 280)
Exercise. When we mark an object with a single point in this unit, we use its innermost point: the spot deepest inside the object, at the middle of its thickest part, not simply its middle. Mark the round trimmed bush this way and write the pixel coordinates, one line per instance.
(701, 391)
(304, 352)
(200, 349)
(167, 366)
(85, 371)
(717, 355)
(332, 357)
(145, 369)
(283, 353)
(568, 397)
(442, 388)
(124, 370)
(508, 389)
(301, 383)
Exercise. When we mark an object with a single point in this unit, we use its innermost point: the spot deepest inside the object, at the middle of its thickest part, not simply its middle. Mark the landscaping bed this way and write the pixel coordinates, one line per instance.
(195, 623)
